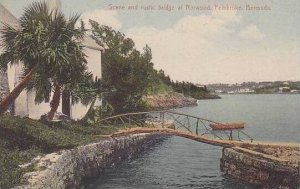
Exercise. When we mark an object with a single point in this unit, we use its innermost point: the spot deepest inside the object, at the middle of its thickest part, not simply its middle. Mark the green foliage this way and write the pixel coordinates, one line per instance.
(85, 90)
(190, 89)
(126, 72)
(274, 87)
(10, 172)
(64, 62)
(22, 139)
(42, 39)
(266, 90)
(50, 44)
(95, 114)
(161, 83)
(128, 75)
(159, 87)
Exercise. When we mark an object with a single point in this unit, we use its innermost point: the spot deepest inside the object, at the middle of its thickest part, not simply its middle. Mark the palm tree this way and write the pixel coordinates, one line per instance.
(24, 43)
(66, 64)
(49, 45)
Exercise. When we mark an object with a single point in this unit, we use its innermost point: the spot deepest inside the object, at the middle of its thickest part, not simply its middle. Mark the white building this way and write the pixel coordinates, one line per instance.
(295, 91)
(284, 89)
(219, 91)
(246, 90)
(25, 104)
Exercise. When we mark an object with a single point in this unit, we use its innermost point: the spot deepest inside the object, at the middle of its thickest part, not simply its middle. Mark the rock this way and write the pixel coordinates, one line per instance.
(25, 165)
(169, 100)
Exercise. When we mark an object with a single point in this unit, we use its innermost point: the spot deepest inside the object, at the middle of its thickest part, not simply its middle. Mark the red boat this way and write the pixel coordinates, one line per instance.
(227, 126)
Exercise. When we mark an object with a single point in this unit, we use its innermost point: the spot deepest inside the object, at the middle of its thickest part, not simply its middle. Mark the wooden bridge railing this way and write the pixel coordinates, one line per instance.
(179, 121)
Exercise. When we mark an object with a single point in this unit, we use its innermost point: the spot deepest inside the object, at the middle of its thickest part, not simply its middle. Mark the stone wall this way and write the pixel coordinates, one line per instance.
(67, 168)
(260, 169)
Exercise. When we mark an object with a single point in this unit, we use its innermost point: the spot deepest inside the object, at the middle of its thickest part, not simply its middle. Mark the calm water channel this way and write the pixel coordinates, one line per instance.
(182, 163)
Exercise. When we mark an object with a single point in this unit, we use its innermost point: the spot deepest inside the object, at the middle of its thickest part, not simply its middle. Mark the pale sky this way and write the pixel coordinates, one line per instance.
(204, 46)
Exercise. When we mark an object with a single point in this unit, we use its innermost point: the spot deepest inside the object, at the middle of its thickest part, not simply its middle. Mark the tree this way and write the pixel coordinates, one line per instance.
(50, 47)
(125, 70)
(24, 44)
(66, 64)
(65, 68)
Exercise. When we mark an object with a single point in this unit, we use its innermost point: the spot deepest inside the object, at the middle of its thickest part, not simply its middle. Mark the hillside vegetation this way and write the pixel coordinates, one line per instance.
(128, 75)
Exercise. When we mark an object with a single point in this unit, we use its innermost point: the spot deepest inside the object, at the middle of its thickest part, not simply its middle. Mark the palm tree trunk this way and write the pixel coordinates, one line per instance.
(55, 102)
(13, 95)
(66, 103)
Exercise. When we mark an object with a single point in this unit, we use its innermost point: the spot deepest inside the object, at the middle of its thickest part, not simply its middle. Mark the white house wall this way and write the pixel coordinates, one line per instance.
(25, 103)
(14, 72)
(94, 61)
(21, 106)
(37, 110)
(11, 77)
(79, 110)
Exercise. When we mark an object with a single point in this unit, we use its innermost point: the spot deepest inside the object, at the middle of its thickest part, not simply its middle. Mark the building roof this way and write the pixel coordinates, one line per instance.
(90, 43)
(7, 17)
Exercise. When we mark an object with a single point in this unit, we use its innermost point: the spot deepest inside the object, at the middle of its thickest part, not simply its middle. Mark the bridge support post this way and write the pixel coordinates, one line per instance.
(163, 119)
(129, 120)
(197, 126)
(230, 135)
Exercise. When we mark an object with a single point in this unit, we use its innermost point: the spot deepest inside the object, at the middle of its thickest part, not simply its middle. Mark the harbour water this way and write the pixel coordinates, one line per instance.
(182, 163)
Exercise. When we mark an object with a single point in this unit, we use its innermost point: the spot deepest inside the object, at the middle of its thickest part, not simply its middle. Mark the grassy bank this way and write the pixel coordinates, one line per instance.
(22, 139)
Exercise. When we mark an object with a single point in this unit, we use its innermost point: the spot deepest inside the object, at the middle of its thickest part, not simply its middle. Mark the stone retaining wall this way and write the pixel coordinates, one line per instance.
(260, 169)
(67, 168)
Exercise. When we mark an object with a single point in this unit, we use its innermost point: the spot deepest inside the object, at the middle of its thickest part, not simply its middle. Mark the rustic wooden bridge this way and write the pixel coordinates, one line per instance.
(266, 164)
(179, 124)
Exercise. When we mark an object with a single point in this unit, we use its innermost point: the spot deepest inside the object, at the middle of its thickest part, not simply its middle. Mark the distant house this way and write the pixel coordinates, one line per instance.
(246, 90)
(25, 104)
(284, 89)
(286, 83)
(295, 91)
(219, 91)
(200, 86)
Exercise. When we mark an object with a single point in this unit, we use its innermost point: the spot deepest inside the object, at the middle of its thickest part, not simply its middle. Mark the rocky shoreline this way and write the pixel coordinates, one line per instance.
(169, 100)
